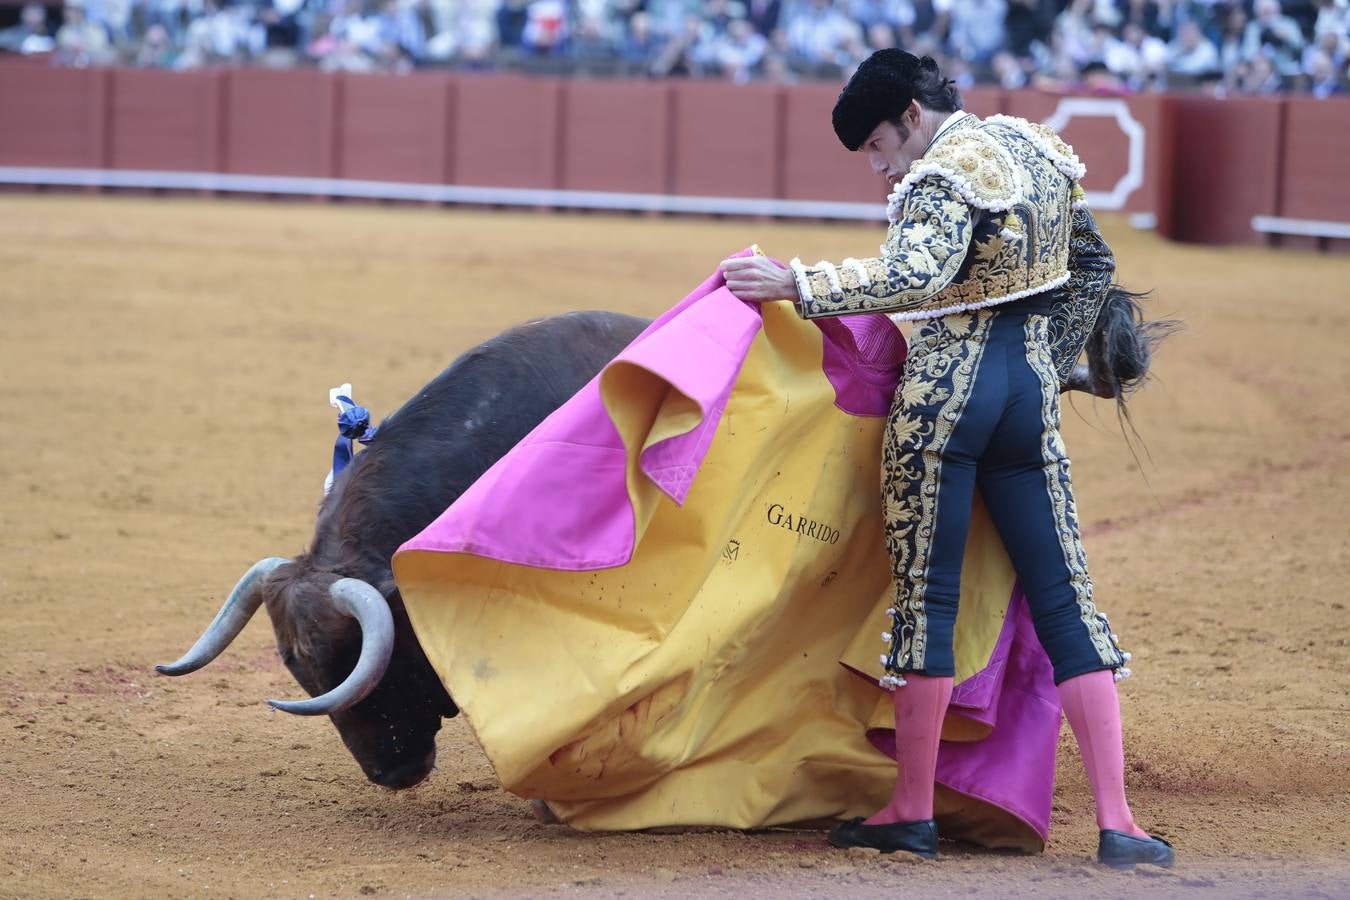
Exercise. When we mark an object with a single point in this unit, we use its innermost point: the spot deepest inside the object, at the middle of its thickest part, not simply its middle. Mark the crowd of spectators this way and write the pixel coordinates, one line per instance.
(1104, 46)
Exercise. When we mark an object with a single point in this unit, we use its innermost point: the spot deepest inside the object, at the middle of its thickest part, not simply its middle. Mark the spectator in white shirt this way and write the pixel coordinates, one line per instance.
(1074, 31)
(31, 34)
(113, 15)
(1137, 56)
(1323, 81)
(1333, 16)
(1192, 53)
(80, 42)
(1271, 33)
(464, 30)
(818, 32)
(977, 29)
(1328, 42)
(399, 30)
(739, 50)
(689, 52)
(895, 13)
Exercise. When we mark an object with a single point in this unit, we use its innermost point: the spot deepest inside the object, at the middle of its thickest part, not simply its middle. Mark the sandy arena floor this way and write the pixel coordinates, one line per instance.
(165, 365)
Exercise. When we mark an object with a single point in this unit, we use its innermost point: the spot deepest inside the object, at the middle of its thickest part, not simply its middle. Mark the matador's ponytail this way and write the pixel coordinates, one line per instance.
(933, 91)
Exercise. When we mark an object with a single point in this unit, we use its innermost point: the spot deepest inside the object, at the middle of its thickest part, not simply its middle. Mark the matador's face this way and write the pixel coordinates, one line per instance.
(894, 145)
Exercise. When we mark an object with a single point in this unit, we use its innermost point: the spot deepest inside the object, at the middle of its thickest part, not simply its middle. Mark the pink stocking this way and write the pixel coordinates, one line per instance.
(1093, 710)
(920, 705)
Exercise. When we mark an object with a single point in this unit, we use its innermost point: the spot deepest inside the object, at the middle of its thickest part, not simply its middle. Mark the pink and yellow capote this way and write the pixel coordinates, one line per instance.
(665, 606)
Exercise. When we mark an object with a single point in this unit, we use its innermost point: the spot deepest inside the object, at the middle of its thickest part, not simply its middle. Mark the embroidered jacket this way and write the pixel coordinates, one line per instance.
(1079, 301)
(991, 213)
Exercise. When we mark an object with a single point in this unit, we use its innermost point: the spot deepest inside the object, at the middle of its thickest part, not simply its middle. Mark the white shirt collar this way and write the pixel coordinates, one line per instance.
(948, 123)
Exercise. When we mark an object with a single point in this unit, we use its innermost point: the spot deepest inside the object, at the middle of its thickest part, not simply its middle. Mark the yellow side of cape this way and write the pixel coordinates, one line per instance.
(701, 683)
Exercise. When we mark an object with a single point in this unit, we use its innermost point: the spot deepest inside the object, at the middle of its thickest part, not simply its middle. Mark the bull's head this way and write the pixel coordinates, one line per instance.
(339, 639)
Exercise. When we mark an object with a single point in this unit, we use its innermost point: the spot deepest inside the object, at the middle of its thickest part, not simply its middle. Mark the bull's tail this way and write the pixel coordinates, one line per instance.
(1121, 346)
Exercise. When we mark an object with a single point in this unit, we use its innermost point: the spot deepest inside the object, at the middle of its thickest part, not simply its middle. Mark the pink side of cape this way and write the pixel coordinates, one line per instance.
(559, 499)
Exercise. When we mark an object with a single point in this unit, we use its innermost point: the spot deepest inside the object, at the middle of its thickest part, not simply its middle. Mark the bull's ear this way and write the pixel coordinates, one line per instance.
(389, 590)
(276, 590)
(276, 599)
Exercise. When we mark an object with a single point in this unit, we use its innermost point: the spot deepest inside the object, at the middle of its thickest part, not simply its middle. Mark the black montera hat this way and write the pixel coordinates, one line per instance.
(881, 89)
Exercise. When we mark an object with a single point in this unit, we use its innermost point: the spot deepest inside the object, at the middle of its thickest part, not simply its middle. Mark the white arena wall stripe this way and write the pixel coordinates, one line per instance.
(439, 193)
(1301, 227)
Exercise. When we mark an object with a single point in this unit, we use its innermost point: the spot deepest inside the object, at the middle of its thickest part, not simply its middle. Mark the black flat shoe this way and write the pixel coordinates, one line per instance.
(917, 837)
(1123, 851)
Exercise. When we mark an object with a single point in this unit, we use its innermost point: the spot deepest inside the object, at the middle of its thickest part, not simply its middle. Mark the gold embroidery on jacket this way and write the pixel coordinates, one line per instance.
(974, 160)
(1079, 302)
(938, 380)
(969, 231)
(922, 255)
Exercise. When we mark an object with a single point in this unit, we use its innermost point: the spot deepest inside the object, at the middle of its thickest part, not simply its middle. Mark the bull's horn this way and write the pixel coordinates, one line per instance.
(234, 614)
(368, 607)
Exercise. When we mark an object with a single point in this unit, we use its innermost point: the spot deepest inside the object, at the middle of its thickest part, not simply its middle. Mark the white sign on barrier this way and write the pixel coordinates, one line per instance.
(1096, 107)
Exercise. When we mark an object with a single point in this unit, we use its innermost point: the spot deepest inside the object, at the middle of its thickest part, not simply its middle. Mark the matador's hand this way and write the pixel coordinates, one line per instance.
(758, 280)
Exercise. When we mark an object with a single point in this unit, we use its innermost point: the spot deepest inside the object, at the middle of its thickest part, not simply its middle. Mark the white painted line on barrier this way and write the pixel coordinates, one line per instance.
(1303, 227)
(1119, 110)
(440, 193)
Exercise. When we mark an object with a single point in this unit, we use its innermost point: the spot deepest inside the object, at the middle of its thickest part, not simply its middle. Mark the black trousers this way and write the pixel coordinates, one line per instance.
(979, 407)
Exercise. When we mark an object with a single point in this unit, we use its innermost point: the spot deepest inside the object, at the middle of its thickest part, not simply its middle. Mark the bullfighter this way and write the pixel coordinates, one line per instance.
(993, 254)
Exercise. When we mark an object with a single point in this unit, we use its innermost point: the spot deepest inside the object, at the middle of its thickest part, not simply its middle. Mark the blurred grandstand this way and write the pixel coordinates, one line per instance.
(1099, 46)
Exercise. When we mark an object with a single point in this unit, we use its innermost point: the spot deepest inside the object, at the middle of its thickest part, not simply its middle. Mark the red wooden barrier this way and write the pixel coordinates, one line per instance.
(1226, 167)
(393, 128)
(506, 131)
(166, 123)
(1315, 177)
(1225, 160)
(281, 123)
(815, 165)
(727, 139)
(984, 101)
(1102, 132)
(53, 117)
(616, 137)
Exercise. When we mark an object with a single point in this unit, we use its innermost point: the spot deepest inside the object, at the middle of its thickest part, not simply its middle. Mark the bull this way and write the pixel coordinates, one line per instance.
(341, 627)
